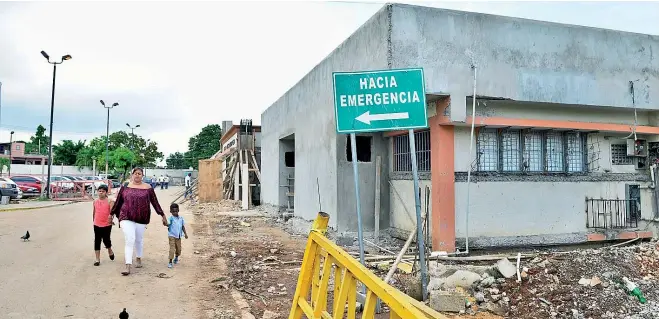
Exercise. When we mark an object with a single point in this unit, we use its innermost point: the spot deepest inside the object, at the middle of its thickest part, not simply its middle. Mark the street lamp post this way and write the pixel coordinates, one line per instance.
(52, 110)
(132, 137)
(11, 140)
(107, 137)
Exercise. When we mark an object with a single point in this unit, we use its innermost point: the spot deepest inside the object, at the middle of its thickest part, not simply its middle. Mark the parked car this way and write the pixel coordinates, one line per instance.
(77, 179)
(31, 186)
(20, 192)
(9, 189)
(115, 183)
(97, 180)
(64, 182)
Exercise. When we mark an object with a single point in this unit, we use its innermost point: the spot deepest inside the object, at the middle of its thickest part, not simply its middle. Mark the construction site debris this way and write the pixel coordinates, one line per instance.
(506, 268)
(586, 283)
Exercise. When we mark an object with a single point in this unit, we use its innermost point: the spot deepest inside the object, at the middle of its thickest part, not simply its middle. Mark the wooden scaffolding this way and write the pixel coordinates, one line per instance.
(243, 175)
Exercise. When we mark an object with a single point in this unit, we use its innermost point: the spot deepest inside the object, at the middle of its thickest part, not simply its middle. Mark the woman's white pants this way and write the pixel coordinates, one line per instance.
(134, 238)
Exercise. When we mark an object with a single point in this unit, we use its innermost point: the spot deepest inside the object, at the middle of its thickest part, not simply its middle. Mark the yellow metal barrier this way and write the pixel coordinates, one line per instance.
(324, 260)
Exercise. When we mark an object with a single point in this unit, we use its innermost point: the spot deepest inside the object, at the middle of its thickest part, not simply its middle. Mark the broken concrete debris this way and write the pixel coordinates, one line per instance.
(585, 283)
(449, 301)
(506, 268)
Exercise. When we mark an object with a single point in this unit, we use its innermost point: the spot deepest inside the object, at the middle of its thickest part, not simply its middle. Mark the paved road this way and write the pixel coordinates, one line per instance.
(52, 275)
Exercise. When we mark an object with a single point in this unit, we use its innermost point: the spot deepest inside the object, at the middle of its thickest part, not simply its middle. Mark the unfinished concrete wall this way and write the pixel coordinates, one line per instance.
(347, 204)
(307, 110)
(403, 211)
(523, 59)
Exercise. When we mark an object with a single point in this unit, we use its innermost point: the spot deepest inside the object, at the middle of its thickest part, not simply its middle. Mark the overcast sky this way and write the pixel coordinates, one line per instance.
(175, 67)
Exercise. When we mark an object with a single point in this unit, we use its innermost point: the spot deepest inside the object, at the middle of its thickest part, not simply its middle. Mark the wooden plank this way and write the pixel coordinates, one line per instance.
(378, 164)
(256, 166)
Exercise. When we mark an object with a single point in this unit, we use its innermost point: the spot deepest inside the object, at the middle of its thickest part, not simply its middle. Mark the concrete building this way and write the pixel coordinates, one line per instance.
(18, 155)
(566, 131)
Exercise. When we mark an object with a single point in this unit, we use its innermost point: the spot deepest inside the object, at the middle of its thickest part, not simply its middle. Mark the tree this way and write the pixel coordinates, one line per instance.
(121, 159)
(4, 161)
(176, 161)
(38, 143)
(146, 151)
(203, 145)
(66, 152)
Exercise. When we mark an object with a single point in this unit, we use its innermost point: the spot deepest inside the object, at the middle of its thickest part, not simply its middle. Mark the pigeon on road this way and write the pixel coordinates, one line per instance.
(26, 237)
(123, 314)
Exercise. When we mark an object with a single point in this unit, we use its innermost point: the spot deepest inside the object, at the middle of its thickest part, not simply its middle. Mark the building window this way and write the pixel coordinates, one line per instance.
(575, 152)
(533, 152)
(363, 145)
(619, 155)
(402, 162)
(554, 151)
(488, 150)
(530, 151)
(289, 159)
(510, 152)
(18, 147)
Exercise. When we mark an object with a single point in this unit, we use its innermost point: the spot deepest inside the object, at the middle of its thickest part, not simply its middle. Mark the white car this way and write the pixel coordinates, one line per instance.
(64, 182)
(98, 181)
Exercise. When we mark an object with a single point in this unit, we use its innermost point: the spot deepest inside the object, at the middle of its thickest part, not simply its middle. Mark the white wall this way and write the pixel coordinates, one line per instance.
(399, 217)
(22, 169)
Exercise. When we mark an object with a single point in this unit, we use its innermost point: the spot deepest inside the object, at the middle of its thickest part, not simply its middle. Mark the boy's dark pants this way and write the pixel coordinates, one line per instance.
(102, 233)
(174, 247)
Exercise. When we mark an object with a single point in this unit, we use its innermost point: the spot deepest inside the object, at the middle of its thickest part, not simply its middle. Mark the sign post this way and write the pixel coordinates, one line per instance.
(377, 101)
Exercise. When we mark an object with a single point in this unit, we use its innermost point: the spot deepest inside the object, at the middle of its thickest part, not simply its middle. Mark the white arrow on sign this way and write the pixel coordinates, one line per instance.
(368, 117)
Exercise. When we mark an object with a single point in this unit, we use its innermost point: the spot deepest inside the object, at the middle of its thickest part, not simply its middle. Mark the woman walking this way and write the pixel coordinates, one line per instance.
(132, 207)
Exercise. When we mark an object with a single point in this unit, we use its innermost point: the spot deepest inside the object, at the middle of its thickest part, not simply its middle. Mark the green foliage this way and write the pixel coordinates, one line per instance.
(176, 161)
(66, 152)
(121, 159)
(38, 143)
(203, 145)
(4, 161)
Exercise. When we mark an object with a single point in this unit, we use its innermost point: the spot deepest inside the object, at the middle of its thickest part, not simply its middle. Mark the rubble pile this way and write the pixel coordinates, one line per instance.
(588, 283)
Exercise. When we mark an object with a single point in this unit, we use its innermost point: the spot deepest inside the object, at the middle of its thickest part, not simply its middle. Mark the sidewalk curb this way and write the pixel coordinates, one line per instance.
(33, 208)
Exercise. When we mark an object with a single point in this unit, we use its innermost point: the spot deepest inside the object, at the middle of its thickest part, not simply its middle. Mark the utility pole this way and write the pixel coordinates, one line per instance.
(107, 137)
(52, 110)
(11, 139)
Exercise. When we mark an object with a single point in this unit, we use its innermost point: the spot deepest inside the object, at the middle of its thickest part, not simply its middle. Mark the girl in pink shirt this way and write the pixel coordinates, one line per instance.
(102, 224)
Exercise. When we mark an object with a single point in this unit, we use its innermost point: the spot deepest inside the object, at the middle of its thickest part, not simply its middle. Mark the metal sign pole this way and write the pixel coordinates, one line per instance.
(360, 235)
(419, 223)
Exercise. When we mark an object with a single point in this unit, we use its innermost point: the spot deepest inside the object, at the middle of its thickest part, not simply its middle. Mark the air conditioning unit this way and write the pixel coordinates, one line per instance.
(637, 148)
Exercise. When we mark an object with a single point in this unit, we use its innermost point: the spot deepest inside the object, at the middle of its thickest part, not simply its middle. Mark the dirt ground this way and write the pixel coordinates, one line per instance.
(243, 256)
(52, 275)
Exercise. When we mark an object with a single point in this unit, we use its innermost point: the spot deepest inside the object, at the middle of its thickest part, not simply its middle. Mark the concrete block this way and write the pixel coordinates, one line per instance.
(343, 240)
(447, 301)
(506, 268)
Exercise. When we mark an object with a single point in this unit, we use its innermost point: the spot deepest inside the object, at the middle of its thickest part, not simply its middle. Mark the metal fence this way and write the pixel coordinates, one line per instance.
(612, 213)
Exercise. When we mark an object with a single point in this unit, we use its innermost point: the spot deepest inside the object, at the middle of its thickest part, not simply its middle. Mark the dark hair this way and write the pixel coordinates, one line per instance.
(137, 169)
(173, 205)
(103, 187)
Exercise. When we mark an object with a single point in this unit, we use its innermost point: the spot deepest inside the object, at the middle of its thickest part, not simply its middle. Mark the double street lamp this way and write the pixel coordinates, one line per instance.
(107, 137)
(52, 109)
(132, 137)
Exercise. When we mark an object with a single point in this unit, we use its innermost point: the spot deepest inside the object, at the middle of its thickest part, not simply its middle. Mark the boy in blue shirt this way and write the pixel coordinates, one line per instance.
(176, 226)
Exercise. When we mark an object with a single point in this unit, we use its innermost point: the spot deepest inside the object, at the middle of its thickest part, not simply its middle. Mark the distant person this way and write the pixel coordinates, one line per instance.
(176, 227)
(188, 185)
(153, 181)
(133, 208)
(102, 223)
(161, 181)
(166, 181)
